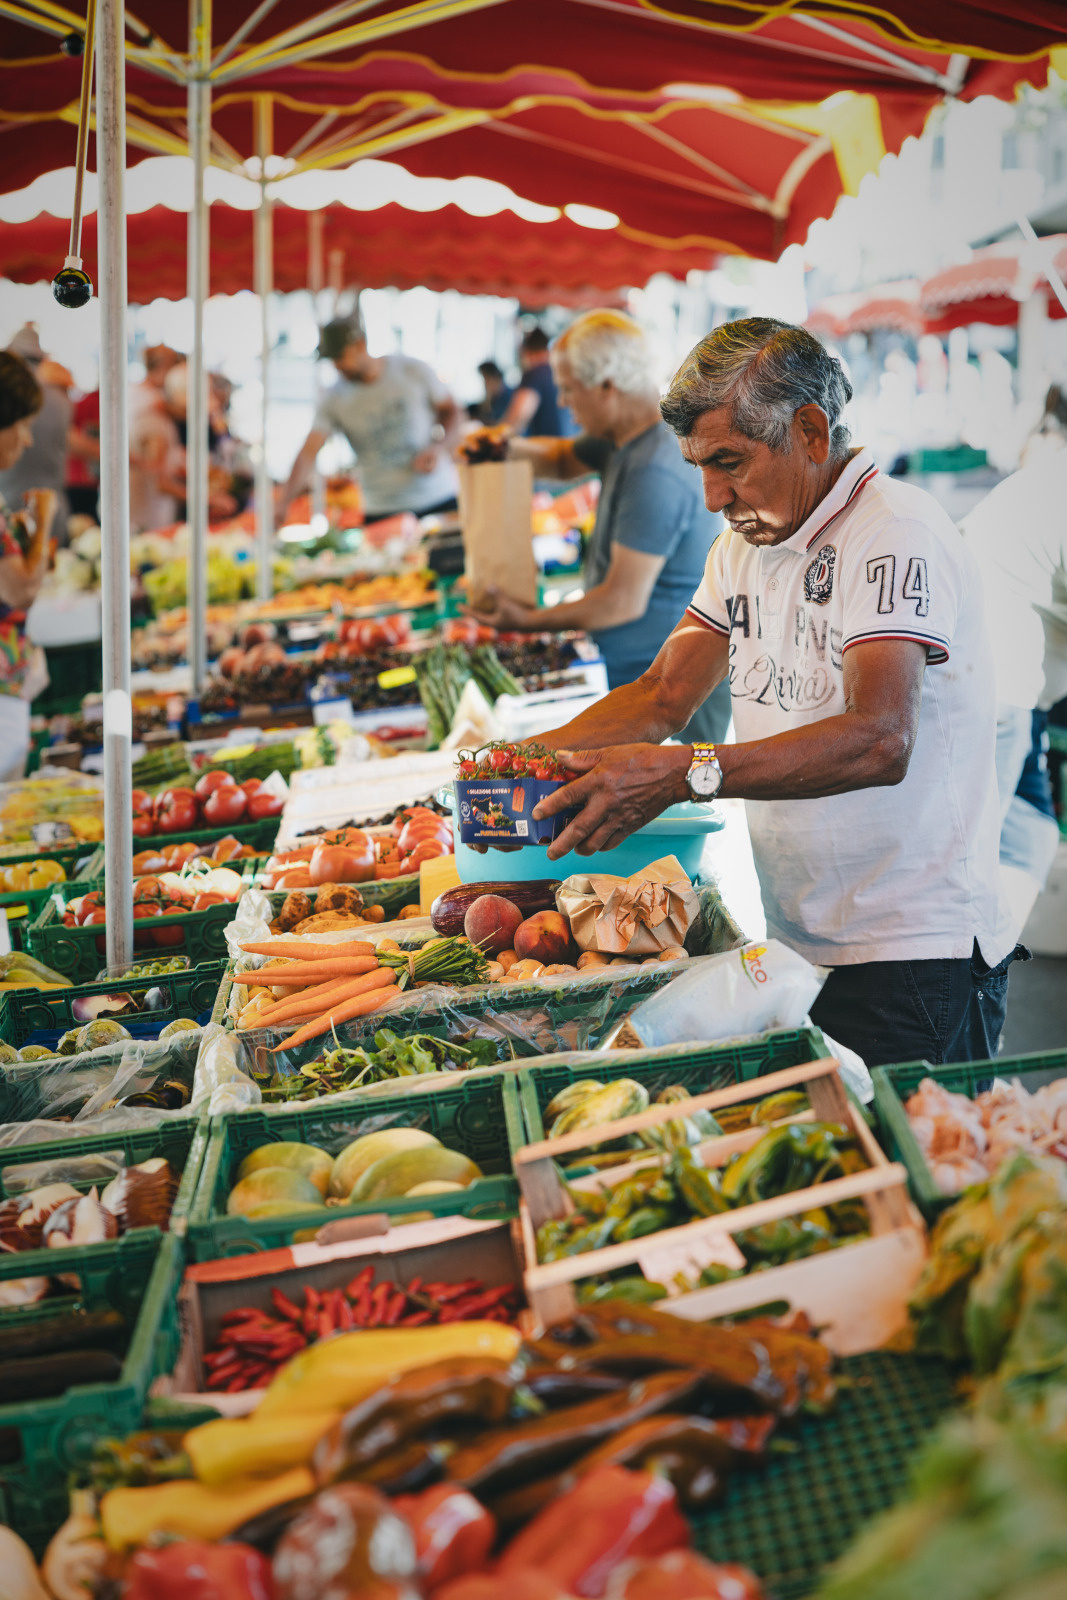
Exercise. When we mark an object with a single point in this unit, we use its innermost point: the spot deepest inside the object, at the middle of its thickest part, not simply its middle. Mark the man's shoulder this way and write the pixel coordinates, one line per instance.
(891, 505)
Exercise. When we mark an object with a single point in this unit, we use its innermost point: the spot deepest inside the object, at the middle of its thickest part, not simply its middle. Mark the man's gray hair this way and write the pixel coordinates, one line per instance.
(762, 371)
(608, 347)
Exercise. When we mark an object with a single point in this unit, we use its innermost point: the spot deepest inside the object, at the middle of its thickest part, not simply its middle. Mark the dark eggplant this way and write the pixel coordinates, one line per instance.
(43, 1377)
(449, 909)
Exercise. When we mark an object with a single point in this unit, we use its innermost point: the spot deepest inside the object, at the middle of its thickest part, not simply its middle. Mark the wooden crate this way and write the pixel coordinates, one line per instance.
(857, 1293)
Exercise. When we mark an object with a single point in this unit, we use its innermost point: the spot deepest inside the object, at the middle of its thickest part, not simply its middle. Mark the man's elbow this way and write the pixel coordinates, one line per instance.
(890, 757)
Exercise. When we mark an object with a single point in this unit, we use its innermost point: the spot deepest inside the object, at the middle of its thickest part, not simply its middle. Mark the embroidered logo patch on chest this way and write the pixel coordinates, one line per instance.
(819, 577)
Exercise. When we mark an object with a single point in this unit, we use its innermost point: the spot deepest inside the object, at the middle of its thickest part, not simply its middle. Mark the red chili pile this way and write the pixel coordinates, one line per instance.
(252, 1345)
(503, 760)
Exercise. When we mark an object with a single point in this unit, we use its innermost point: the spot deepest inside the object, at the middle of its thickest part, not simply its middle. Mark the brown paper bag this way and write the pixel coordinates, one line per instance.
(636, 916)
(495, 508)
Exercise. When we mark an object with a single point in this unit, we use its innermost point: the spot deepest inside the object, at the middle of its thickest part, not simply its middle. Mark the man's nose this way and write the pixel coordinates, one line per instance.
(717, 493)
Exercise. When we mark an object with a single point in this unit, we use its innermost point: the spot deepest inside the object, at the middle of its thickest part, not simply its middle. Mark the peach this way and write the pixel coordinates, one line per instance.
(544, 937)
(491, 922)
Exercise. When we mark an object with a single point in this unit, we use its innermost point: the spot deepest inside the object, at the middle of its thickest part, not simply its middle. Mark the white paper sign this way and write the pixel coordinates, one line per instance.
(663, 1262)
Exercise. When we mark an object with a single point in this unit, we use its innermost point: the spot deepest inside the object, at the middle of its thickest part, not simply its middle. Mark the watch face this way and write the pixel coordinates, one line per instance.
(705, 780)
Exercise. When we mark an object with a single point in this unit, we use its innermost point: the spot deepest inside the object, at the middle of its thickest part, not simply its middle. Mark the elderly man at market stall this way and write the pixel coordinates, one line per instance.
(847, 614)
(652, 531)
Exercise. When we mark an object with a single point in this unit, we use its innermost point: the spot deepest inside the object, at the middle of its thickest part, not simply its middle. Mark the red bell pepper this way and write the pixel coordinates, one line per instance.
(195, 1570)
(454, 1533)
(611, 1515)
(687, 1576)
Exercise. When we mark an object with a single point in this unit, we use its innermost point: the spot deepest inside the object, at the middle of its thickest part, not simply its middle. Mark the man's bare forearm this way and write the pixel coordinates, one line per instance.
(552, 458)
(632, 714)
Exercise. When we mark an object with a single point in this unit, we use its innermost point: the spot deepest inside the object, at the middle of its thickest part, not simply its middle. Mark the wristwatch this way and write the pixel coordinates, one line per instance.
(704, 778)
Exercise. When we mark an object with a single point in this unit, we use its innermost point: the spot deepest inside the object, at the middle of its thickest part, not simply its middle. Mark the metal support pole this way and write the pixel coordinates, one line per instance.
(264, 283)
(114, 477)
(316, 265)
(199, 118)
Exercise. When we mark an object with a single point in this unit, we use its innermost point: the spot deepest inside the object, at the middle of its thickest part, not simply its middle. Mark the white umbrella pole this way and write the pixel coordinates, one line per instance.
(114, 477)
(199, 118)
(264, 283)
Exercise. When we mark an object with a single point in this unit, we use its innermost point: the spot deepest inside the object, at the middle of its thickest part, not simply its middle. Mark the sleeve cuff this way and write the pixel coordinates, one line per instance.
(937, 648)
(706, 621)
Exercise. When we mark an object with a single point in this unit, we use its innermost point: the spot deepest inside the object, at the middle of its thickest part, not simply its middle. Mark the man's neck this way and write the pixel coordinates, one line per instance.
(635, 417)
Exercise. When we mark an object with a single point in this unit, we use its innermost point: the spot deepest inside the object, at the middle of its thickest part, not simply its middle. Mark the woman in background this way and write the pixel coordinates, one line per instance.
(25, 549)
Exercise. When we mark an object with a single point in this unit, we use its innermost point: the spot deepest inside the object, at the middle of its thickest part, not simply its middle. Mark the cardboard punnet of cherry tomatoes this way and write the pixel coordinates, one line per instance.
(497, 788)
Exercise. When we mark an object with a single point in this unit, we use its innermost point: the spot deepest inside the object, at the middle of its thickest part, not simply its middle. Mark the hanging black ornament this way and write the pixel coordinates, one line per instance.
(72, 44)
(72, 288)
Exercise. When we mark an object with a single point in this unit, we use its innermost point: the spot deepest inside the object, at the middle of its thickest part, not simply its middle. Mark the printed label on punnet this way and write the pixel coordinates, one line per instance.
(501, 810)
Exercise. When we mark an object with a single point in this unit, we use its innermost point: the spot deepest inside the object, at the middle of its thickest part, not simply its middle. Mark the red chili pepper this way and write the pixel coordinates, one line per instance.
(362, 1308)
(414, 1286)
(446, 1292)
(312, 1298)
(326, 1326)
(284, 1306)
(416, 1319)
(394, 1309)
(337, 1300)
(243, 1314)
(379, 1300)
(346, 1319)
(361, 1281)
(610, 1516)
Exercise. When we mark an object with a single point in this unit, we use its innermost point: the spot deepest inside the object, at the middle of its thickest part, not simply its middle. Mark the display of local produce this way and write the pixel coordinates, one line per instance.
(253, 1345)
(47, 810)
(964, 1141)
(38, 874)
(58, 1216)
(357, 855)
(216, 800)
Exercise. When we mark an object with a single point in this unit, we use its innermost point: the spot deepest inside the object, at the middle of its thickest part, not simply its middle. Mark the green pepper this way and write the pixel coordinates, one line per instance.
(778, 1106)
(640, 1291)
(696, 1185)
(643, 1221)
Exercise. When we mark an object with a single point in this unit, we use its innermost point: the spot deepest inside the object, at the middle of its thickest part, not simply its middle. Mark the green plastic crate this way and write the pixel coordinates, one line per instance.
(182, 1142)
(43, 1441)
(893, 1085)
(389, 893)
(27, 1011)
(698, 1068)
(74, 951)
(74, 670)
(259, 835)
(54, 1088)
(479, 1117)
(793, 1515)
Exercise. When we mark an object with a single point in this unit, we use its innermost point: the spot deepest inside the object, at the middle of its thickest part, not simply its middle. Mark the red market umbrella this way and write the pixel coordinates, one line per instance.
(540, 263)
(992, 285)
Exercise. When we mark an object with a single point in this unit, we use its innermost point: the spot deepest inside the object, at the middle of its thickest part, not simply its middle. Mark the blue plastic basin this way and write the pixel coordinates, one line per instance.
(681, 832)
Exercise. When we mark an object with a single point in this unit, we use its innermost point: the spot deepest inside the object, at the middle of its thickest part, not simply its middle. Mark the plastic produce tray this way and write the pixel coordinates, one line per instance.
(43, 1441)
(893, 1085)
(260, 836)
(54, 1088)
(698, 1068)
(182, 1143)
(74, 951)
(479, 1117)
(795, 1514)
(26, 1012)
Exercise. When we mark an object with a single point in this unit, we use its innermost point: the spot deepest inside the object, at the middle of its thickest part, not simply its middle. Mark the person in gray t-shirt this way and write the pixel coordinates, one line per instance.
(399, 419)
(652, 532)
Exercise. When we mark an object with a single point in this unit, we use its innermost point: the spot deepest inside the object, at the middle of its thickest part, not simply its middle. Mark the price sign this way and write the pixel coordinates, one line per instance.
(52, 833)
(664, 1263)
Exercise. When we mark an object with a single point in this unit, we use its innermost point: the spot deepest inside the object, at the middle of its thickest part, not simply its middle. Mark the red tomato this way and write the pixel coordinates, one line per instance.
(205, 899)
(223, 807)
(264, 805)
(178, 854)
(407, 814)
(250, 785)
(147, 889)
(388, 869)
(93, 918)
(149, 861)
(500, 760)
(297, 877)
(214, 780)
(343, 863)
(143, 827)
(177, 811)
(83, 908)
(467, 769)
(425, 850)
(142, 803)
(422, 828)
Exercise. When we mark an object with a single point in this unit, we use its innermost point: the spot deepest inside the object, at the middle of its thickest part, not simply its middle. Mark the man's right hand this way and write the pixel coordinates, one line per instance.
(485, 444)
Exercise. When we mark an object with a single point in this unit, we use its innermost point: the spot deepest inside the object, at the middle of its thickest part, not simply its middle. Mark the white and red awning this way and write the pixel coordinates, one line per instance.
(992, 285)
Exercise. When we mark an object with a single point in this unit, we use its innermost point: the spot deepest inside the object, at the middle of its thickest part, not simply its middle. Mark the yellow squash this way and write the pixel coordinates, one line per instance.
(190, 1510)
(254, 1447)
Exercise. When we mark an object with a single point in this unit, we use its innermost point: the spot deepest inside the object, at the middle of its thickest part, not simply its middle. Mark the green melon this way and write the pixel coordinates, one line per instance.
(355, 1158)
(307, 1159)
(270, 1184)
(396, 1175)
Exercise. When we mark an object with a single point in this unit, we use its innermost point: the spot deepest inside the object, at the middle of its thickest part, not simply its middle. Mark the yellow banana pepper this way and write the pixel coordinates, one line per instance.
(333, 1375)
(248, 1447)
(191, 1510)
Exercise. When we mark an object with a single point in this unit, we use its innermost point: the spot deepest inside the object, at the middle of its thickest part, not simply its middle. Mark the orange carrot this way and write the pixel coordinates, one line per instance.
(309, 952)
(357, 1007)
(314, 1000)
(305, 972)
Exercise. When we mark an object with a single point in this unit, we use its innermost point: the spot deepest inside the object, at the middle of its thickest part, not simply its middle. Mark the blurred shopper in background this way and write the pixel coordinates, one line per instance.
(498, 395)
(535, 408)
(146, 396)
(399, 419)
(652, 532)
(43, 463)
(1018, 536)
(25, 548)
(157, 457)
(83, 458)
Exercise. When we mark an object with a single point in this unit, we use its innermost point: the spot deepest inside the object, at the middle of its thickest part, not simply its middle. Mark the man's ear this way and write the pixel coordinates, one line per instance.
(813, 427)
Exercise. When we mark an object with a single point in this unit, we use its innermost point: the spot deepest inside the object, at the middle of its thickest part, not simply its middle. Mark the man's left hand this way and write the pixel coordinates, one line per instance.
(619, 790)
(498, 610)
(426, 460)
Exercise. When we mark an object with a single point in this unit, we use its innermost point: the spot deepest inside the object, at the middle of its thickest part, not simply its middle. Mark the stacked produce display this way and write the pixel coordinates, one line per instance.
(358, 1238)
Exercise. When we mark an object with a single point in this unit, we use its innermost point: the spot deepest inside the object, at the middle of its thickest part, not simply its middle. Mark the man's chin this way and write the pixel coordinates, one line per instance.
(756, 533)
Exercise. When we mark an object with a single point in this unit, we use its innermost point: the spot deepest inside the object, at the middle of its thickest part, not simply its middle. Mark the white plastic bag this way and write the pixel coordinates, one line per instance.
(749, 990)
(219, 1084)
(251, 925)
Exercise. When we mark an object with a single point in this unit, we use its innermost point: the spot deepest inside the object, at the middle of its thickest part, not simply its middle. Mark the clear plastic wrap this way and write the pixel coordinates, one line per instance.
(84, 1089)
(219, 1084)
(251, 923)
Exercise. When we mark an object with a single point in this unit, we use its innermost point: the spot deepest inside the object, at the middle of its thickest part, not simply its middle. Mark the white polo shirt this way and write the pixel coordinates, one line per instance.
(908, 872)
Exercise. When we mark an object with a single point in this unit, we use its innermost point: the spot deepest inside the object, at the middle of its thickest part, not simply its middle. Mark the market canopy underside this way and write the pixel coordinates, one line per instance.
(538, 263)
(674, 119)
